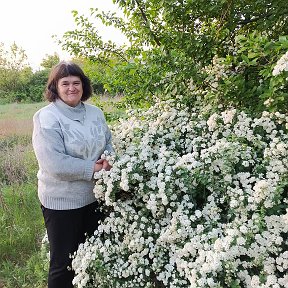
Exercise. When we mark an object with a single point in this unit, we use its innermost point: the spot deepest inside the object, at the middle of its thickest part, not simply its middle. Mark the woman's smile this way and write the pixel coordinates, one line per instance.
(70, 90)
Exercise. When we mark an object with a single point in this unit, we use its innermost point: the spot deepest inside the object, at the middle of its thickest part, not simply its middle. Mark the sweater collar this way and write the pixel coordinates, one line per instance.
(74, 113)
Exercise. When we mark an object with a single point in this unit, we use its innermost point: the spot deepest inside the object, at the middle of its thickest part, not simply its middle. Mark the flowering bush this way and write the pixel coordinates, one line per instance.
(248, 76)
(194, 199)
(281, 65)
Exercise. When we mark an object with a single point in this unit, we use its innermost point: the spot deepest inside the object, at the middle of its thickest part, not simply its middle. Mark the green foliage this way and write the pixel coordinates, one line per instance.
(244, 78)
(32, 274)
(21, 229)
(16, 206)
(172, 43)
(21, 223)
(50, 60)
(14, 58)
(14, 73)
(36, 86)
(111, 106)
(18, 83)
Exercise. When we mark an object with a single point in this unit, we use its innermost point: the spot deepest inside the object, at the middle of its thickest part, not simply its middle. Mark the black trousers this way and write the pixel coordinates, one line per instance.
(66, 229)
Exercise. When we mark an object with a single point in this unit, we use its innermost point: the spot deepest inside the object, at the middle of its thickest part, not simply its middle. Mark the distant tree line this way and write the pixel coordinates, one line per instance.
(216, 53)
(18, 81)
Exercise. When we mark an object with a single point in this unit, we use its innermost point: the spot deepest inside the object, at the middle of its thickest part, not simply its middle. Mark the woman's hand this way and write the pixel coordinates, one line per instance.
(102, 164)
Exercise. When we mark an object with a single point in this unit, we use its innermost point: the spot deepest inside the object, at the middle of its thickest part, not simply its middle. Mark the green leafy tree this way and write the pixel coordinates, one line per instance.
(15, 73)
(36, 86)
(96, 73)
(173, 46)
(50, 60)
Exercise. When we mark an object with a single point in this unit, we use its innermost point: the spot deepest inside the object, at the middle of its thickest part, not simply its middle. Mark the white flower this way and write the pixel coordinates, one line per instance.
(268, 102)
(228, 116)
(203, 202)
(281, 65)
(211, 122)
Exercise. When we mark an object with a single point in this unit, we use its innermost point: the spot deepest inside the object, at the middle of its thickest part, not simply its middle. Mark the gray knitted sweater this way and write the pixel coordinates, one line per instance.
(67, 141)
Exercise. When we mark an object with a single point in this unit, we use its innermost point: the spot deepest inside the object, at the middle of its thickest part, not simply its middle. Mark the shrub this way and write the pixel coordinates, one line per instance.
(195, 198)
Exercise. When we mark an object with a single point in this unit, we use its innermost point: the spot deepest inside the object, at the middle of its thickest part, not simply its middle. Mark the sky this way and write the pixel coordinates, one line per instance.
(31, 24)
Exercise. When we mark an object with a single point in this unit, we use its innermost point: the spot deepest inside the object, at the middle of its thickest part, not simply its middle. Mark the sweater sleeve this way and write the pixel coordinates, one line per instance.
(49, 149)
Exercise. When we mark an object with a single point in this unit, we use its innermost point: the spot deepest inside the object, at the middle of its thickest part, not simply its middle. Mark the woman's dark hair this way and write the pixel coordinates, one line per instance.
(64, 69)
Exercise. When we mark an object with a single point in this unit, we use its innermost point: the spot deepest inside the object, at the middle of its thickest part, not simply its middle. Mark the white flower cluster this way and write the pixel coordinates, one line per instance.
(216, 71)
(281, 65)
(44, 251)
(196, 200)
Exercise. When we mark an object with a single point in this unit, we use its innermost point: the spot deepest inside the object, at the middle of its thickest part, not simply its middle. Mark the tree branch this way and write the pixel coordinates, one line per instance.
(143, 14)
(260, 17)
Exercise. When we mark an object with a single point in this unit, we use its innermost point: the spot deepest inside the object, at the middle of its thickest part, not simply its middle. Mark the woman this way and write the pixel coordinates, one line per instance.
(69, 138)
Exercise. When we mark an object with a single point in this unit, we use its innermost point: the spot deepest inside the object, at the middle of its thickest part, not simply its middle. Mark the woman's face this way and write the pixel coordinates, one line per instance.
(70, 90)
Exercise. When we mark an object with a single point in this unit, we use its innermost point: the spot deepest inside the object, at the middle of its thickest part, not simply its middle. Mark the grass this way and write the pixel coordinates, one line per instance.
(21, 223)
(22, 261)
(21, 231)
(16, 119)
(19, 111)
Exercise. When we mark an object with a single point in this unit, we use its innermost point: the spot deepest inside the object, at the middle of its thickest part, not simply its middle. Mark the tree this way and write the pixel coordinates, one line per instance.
(50, 60)
(14, 73)
(173, 43)
(35, 87)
